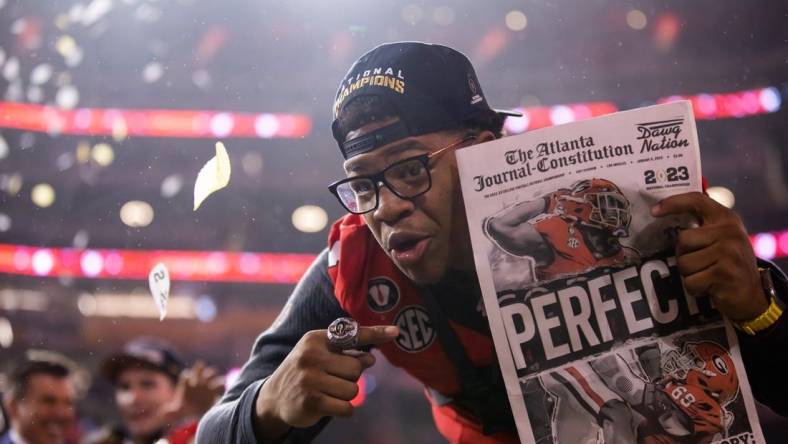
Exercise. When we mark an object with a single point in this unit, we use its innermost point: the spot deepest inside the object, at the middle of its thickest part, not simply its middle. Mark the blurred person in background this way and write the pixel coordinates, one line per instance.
(41, 401)
(399, 113)
(157, 396)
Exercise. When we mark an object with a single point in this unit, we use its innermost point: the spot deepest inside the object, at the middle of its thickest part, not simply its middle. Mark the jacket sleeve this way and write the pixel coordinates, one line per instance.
(764, 354)
(311, 306)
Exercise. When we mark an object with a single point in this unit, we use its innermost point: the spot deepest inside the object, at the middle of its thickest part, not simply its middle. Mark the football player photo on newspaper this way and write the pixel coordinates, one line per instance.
(678, 389)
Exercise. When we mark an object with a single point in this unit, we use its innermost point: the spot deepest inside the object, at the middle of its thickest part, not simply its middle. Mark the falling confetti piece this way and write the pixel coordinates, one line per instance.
(3, 147)
(41, 74)
(11, 69)
(213, 176)
(5, 222)
(67, 97)
(159, 283)
(152, 72)
(171, 185)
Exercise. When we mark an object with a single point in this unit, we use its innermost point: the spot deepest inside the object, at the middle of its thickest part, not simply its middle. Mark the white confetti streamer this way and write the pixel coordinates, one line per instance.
(213, 176)
(159, 283)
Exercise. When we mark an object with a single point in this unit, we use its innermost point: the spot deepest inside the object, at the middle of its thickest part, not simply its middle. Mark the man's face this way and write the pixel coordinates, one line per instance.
(142, 395)
(428, 234)
(46, 412)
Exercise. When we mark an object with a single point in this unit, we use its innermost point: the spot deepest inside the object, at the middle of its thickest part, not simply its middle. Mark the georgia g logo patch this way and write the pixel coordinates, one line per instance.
(382, 294)
(720, 364)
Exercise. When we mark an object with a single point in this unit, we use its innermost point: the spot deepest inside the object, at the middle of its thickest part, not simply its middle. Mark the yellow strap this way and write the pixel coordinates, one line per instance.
(764, 321)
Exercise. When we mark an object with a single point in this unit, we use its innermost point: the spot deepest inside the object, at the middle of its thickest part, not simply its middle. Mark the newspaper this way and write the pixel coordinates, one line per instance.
(596, 338)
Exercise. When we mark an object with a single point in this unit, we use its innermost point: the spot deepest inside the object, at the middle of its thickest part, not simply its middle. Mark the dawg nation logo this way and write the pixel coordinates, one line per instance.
(661, 135)
(385, 77)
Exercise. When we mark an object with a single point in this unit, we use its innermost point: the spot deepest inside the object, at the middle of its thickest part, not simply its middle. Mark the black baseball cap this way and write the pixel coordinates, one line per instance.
(144, 353)
(433, 87)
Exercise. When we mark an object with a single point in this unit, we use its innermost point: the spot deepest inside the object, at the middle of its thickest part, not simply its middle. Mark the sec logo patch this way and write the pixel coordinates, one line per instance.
(382, 294)
(415, 329)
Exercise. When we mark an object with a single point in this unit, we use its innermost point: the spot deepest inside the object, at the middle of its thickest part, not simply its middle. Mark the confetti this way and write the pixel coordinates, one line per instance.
(11, 69)
(65, 161)
(159, 283)
(3, 147)
(95, 11)
(171, 185)
(81, 239)
(213, 176)
(67, 97)
(41, 74)
(5, 222)
(152, 72)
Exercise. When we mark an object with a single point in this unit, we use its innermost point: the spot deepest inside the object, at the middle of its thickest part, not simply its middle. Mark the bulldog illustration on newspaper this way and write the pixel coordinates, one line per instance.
(597, 340)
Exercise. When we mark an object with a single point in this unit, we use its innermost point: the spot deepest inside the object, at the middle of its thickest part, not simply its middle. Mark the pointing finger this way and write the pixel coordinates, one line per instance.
(376, 335)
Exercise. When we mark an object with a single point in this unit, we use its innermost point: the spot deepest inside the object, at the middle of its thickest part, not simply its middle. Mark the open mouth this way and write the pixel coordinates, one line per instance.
(407, 250)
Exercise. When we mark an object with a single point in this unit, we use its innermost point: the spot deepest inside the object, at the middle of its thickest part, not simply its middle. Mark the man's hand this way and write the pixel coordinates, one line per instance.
(716, 259)
(197, 390)
(314, 381)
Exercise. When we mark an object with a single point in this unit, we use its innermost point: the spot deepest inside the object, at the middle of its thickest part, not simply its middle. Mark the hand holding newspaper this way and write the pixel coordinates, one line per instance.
(597, 340)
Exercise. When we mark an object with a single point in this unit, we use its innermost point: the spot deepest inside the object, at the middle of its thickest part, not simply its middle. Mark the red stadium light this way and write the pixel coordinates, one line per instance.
(151, 122)
(735, 104)
(214, 266)
(225, 124)
(772, 245)
(544, 116)
(706, 107)
(765, 245)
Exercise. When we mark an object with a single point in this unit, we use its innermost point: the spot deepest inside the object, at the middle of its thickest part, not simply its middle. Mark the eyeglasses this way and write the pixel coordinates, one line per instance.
(407, 178)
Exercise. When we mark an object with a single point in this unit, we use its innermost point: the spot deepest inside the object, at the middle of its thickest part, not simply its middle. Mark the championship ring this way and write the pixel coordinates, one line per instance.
(343, 334)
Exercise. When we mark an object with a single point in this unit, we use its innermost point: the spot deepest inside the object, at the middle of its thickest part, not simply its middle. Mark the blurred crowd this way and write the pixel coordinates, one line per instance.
(157, 396)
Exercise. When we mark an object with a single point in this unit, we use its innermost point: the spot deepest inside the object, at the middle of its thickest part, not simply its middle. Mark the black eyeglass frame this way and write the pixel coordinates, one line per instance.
(380, 176)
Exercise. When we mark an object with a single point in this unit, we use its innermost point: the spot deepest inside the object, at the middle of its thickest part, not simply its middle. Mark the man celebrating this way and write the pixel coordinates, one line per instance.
(40, 401)
(156, 396)
(401, 265)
